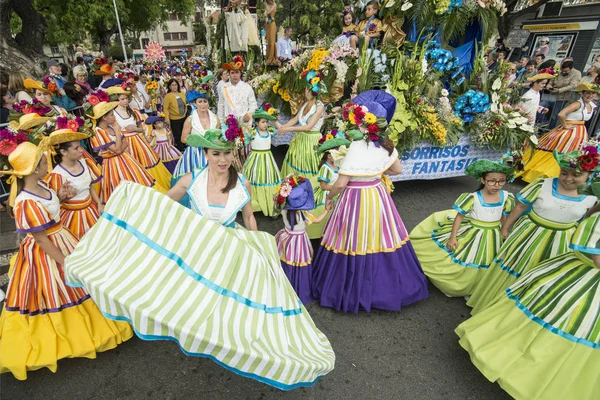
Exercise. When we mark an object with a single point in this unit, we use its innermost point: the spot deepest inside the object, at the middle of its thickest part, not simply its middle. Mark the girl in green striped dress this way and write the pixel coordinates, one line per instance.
(455, 247)
(541, 340)
(544, 232)
(260, 168)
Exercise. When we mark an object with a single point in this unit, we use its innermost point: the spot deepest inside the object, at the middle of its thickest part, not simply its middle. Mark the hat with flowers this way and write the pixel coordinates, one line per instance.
(314, 82)
(587, 159)
(93, 99)
(104, 69)
(237, 64)
(295, 193)
(332, 139)
(155, 118)
(231, 135)
(589, 87)
(546, 73)
(367, 119)
(266, 111)
(47, 84)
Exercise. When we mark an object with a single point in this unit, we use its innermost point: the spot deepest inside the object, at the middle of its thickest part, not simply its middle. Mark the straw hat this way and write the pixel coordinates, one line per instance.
(118, 90)
(25, 158)
(102, 108)
(105, 69)
(28, 121)
(64, 136)
(212, 139)
(546, 73)
(587, 87)
(36, 85)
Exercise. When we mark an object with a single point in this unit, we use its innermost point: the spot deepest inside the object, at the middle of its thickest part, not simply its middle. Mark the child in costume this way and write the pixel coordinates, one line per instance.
(540, 340)
(328, 174)
(260, 168)
(348, 36)
(44, 319)
(81, 211)
(295, 251)
(164, 147)
(455, 247)
(370, 28)
(545, 232)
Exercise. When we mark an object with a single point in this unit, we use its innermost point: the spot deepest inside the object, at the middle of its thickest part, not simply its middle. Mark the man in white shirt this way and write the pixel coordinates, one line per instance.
(236, 97)
(284, 45)
(141, 87)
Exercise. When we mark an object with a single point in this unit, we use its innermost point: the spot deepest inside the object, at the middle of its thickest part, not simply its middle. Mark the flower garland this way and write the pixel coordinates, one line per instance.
(285, 188)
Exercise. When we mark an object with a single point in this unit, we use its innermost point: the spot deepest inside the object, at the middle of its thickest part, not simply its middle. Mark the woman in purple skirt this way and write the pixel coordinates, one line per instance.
(296, 196)
(366, 259)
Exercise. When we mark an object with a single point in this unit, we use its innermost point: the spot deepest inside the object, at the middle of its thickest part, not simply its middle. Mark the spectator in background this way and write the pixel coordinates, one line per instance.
(522, 81)
(525, 50)
(546, 64)
(284, 45)
(16, 87)
(592, 73)
(81, 76)
(522, 64)
(75, 92)
(539, 58)
(563, 87)
(55, 71)
(147, 101)
(493, 66)
(5, 104)
(543, 47)
(501, 46)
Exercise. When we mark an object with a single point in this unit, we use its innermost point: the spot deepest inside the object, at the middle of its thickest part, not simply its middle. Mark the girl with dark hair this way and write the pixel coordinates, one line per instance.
(81, 211)
(175, 110)
(366, 259)
(348, 35)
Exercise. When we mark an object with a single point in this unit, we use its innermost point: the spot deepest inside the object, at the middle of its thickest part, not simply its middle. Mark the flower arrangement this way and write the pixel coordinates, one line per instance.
(30, 107)
(285, 188)
(317, 59)
(9, 141)
(589, 158)
(314, 81)
(495, 5)
(443, 61)
(238, 62)
(94, 98)
(262, 83)
(73, 124)
(269, 109)
(333, 134)
(233, 131)
(98, 62)
(471, 103)
(366, 122)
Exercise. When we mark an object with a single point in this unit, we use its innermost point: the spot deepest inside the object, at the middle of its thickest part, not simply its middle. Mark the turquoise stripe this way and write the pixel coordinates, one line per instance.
(585, 249)
(549, 327)
(265, 184)
(460, 210)
(523, 200)
(506, 268)
(454, 259)
(188, 270)
(259, 378)
(300, 170)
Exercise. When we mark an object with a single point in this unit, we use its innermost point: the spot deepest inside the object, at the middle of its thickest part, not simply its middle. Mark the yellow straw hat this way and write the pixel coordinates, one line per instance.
(65, 135)
(28, 121)
(37, 85)
(102, 108)
(546, 73)
(117, 90)
(587, 87)
(24, 160)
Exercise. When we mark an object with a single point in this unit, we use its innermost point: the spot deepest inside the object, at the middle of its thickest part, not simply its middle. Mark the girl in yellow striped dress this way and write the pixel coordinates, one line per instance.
(118, 165)
(44, 320)
(80, 212)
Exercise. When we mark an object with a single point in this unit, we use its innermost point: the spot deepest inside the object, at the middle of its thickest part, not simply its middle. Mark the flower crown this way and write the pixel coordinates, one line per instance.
(367, 123)
(285, 188)
(333, 134)
(314, 81)
(347, 10)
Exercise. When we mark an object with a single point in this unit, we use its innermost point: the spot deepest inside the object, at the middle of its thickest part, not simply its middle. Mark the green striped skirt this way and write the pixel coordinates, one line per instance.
(302, 157)
(219, 293)
(263, 174)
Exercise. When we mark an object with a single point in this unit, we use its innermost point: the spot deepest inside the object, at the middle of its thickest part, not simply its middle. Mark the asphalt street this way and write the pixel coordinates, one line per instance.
(412, 354)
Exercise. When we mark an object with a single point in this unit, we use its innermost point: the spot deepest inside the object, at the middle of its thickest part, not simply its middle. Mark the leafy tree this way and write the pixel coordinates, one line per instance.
(311, 20)
(116, 52)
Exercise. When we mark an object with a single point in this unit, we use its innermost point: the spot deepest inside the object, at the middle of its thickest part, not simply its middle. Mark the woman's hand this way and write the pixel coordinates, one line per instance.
(567, 126)
(504, 233)
(131, 128)
(452, 244)
(100, 208)
(329, 205)
(66, 192)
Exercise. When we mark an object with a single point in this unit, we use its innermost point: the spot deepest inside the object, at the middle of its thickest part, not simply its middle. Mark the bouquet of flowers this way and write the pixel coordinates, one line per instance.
(9, 140)
(30, 107)
(471, 103)
(235, 131)
(285, 188)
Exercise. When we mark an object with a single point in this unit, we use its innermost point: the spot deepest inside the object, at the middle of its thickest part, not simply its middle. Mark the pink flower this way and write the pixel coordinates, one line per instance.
(20, 138)
(7, 146)
(80, 121)
(286, 189)
(73, 125)
(61, 122)
(5, 134)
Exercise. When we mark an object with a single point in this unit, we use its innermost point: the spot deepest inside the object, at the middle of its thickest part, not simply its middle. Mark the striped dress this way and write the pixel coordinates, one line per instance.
(542, 162)
(79, 213)
(541, 340)
(117, 167)
(45, 320)
(218, 292)
(366, 259)
(302, 158)
(545, 232)
(193, 157)
(168, 153)
(263, 174)
(457, 272)
(327, 174)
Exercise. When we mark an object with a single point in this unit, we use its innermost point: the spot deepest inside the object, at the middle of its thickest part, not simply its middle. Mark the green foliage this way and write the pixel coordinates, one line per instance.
(116, 52)
(16, 25)
(311, 20)
(199, 33)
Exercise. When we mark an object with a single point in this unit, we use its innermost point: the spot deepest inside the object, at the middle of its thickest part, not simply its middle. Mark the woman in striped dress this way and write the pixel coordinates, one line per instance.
(133, 129)
(302, 158)
(260, 167)
(544, 232)
(222, 295)
(456, 247)
(565, 138)
(81, 211)
(117, 164)
(366, 259)
(44, 320)
(161, 139)
(541, 339)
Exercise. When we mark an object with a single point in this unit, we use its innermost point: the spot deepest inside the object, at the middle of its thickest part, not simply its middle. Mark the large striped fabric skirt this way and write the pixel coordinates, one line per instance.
(263, 174)
(302, 157)
(145, 155)
(542, 164)
(122, 168)
(532, 240)
(455, 273)
(219, 293)
(78, 216)
(44, 320)
(541, 340)
(296, 253)
(366, 258)
(168, 154)
(315, 230)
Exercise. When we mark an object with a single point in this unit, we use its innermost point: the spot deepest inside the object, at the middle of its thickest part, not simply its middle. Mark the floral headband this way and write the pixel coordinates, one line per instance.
(30, 107)
(367, 123)
(585, 160)
(285, 189)
(314, 81)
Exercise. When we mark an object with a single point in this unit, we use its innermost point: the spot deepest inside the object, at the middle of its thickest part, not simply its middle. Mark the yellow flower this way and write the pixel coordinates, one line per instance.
(276, 87)
(329, 136)
(370, 118)
(315, 80)
(271, 111)
(352, 118)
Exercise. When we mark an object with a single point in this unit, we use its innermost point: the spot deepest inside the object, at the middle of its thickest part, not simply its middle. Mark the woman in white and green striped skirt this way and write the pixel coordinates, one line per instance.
(302, 158)
(541, 340)
(543, 233)
(194, 277)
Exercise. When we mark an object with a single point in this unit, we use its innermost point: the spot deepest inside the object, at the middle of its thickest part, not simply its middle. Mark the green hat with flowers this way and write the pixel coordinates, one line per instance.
(479, 168)
(266, 111)
(585, 160)
(333, 139)
(231, 135)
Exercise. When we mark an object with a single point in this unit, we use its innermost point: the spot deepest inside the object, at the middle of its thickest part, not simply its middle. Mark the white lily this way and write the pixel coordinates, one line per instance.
(390, 3)
(533, 138)
(497, 84)
(406, 6)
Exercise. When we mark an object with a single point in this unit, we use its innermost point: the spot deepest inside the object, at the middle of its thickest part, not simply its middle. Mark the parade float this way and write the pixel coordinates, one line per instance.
(450, 110)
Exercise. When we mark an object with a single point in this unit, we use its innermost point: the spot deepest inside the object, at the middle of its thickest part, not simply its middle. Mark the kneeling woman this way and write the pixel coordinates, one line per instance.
(456, 247)
(196, 278)
(44, 320)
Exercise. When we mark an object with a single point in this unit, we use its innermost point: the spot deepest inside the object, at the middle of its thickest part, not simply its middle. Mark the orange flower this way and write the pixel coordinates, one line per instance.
(52, 86)
(73, 125)
(93, 100)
